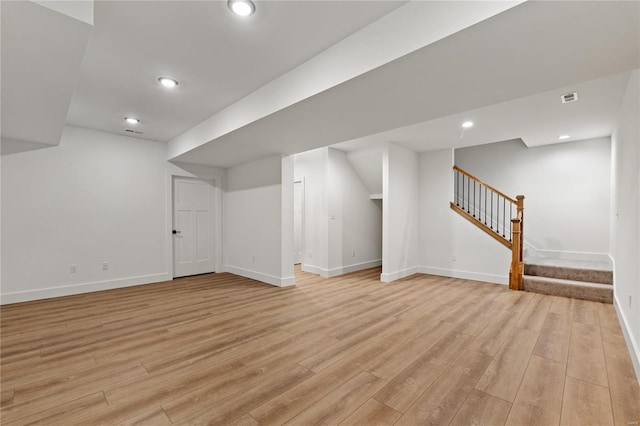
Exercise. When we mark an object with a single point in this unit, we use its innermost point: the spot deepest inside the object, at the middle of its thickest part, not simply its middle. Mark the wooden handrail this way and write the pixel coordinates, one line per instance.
(484, 184)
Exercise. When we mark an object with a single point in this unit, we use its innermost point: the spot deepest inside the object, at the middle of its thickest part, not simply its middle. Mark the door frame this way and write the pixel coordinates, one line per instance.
(217, 215)
(302, 224)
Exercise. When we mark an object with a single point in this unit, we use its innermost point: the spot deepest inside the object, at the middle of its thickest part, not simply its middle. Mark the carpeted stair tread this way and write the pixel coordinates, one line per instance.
(569, 288)
(598, 276)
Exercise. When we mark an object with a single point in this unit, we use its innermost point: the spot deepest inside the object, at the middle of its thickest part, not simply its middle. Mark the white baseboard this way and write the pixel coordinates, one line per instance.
(287, 281)
(632, 344)
(334, 272)
(355, 267)
(465, 275)
(313, 269)
(392, 276)
(259, 276)
(68, 290)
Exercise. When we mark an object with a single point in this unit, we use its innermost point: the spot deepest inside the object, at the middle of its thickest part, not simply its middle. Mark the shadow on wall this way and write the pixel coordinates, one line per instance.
(256, 174)
(12, 146)
(196, 170)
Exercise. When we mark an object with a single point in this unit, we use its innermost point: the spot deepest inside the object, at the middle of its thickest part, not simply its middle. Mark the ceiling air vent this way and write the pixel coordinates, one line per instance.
(569, 97)
(132, 131)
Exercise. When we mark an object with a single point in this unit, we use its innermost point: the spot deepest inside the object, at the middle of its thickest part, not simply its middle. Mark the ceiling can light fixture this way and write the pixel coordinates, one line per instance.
(467, 124)
(563, 137)
(168, 82)
(242, 7)
(131, 120)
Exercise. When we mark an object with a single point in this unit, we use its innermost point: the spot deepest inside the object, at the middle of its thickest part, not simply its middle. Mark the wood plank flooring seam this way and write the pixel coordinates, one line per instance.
(521, 380)
(564, 390)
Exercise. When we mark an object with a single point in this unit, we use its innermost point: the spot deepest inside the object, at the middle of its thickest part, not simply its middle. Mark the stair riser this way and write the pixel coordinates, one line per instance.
(586, 275)
(586, 293)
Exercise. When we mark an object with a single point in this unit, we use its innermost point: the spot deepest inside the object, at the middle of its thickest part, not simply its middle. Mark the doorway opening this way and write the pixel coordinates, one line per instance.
(298, 222)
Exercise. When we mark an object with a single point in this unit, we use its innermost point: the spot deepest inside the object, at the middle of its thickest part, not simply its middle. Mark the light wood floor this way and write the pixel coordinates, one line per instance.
(219, 349)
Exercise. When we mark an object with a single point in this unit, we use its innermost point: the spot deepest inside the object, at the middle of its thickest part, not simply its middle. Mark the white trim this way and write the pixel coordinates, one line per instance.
(341, 270)
(68, 290)
(303, 224)
(312, 269)
(465, 275)
(352, 268)
(392, 276)
(259, 276)
(634, 347)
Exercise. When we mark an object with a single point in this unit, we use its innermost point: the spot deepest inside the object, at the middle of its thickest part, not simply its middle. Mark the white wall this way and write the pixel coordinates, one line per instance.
(97, 197)
(400, 213)
(450, 245)
(625, 216)
(355, 221)
(368, 165)
(253, 219)
(567, 189)
(339, 217)
(1, 224)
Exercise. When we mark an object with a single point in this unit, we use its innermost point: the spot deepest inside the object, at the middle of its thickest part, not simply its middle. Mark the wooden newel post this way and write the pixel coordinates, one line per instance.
(517, 264)
(520, 215)
(514, 271)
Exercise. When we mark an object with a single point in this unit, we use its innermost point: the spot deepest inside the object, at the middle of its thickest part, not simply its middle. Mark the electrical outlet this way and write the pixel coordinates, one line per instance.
(353, 253)
(105, 266)
(310, 254)
(253, 259)
(72, 269)
(453, 258)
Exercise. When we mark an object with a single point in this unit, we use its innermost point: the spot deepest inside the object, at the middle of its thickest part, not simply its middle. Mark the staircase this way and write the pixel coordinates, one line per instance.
(496, 214)
(502, 218)
(579, 280)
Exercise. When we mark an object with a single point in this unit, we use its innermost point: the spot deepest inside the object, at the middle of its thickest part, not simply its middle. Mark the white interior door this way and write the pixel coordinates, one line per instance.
(193, 227)
(298, 220)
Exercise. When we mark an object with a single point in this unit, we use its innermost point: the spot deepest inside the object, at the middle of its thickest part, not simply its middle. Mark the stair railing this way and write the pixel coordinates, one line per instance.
(495, 213)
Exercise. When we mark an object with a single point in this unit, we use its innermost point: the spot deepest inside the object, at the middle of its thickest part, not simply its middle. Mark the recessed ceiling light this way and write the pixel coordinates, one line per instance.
(563, 137)
(467, 124)
(131, 120)
(168, 82)
(242, 7)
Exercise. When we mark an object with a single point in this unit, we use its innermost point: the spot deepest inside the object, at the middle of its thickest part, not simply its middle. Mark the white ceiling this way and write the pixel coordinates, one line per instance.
(216, 56)
(535, 47)
(537, 120)
(505, 72)
(411, 27)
